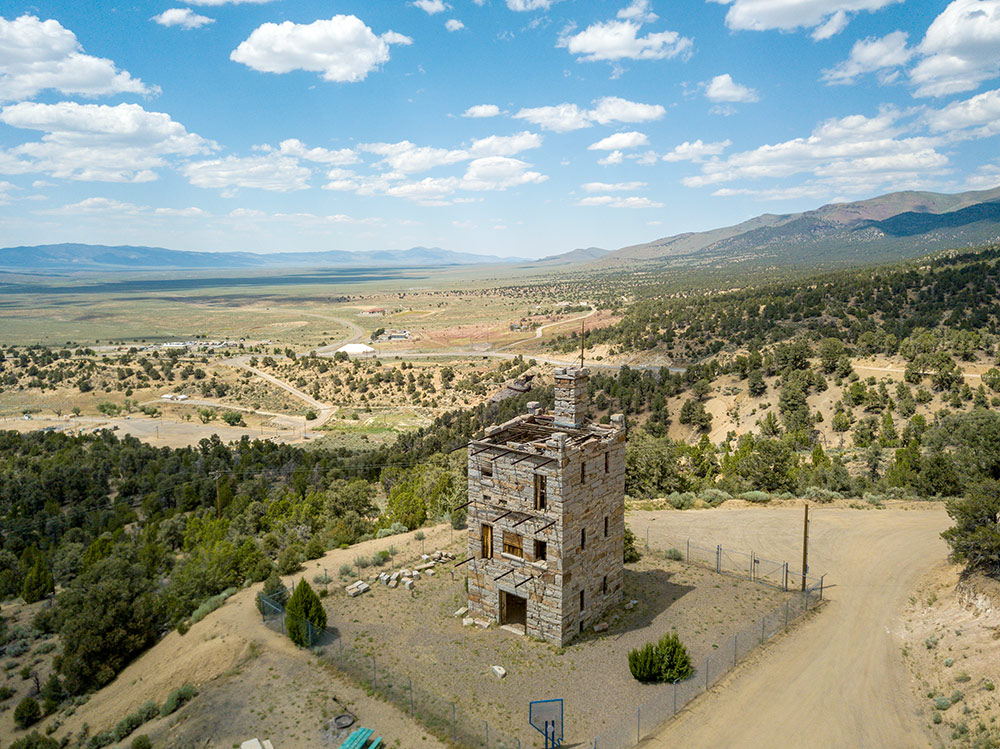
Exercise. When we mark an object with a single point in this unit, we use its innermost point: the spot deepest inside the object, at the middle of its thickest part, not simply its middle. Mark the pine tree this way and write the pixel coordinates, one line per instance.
(38, 582)
(304, 606)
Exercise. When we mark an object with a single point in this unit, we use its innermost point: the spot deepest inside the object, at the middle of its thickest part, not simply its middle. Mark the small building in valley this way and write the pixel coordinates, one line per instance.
(547, 517)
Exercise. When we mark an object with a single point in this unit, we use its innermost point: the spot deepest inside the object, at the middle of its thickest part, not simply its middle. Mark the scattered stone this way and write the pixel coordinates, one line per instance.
(483, 623)
(394, 577)
(601, 627)
(462, 611)
(415, 575)
(500, 671)
(468, 621)
(394, 583)
(430, 572)
(425, 557)
(631, 604)
(408, 583)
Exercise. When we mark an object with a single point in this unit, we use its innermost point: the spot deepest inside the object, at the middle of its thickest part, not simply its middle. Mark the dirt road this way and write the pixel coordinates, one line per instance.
(837, 679)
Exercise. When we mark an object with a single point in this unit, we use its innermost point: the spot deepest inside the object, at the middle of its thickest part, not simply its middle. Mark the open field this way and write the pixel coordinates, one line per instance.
(839, 678)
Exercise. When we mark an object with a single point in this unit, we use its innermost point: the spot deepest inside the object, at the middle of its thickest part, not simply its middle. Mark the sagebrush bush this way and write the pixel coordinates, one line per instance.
(681, 500)
(713, 497)
(674, 555)
(142, 742)
(756, 497)
(210, 604)
(176, 699)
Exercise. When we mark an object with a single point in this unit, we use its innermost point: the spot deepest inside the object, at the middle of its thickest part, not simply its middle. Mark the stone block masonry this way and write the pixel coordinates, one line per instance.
(547, 517)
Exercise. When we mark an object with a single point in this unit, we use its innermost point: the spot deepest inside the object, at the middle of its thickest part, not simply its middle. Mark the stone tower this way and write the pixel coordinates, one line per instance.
(547, 517)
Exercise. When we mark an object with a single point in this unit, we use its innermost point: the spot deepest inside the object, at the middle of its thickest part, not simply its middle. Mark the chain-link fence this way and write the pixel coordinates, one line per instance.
(670, 700)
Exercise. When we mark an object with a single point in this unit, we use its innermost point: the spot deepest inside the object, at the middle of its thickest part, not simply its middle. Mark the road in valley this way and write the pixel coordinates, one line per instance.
(837, 679)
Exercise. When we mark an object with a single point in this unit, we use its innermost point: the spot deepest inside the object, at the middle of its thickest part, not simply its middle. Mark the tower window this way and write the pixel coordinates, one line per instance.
(540, 491)
(486, 469)
(605, 526)
(512, 544)
(581, 601)
(583, 472)
(541, 550)
(607, 462)
(487, 541)
(583, 539)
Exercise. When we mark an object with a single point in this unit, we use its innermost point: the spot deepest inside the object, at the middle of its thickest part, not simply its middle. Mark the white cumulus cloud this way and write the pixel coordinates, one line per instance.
(981, 112)
(272, 172)
(723, 88)
(453, 24)
(342, 48)
(870, 55)
(824, 17)
(297, 149)
(431, 6)
(91, 142)
(615, 109)
(620, 40)
(38, 55)
(620, 141)
(960, 50)
(526, 5)
(183, 17)
(696, 150)
(612, 186)
(612, 201)
(565, 117)
(561, 118)
(482, 110)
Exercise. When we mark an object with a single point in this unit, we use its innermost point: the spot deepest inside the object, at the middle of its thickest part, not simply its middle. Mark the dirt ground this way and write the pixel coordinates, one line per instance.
(838, 679)
(951, 635)
(418, 637)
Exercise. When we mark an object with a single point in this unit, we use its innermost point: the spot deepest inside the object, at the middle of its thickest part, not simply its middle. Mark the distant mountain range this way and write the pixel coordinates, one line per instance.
(890, 227)
(87, 257)
(893, 226)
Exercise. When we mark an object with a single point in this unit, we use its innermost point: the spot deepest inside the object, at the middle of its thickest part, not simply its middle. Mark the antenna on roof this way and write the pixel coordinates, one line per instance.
(583, 332)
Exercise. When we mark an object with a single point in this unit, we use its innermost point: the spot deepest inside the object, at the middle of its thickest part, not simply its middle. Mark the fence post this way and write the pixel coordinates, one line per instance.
(487, 734)
(706, 673)
(763, 619)
(786, 577)
(341, 641)
(688, 557)
(821, 586)
(753, 564)
(454, 726)
(675, 696)
(411, 696)
(374, 675)
(735, 648)
(786, 614)
(718, 559)
(638, 722)
(647, 539)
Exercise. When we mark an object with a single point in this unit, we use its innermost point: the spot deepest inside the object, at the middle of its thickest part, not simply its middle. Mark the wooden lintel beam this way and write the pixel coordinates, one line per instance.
(461, 506)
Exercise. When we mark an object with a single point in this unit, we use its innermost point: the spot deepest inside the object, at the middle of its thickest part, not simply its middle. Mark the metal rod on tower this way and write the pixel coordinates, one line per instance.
(805, 547)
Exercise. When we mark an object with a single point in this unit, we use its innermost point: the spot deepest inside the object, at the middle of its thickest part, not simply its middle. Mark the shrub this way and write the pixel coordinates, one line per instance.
(674, 555)
(148, 711)
(681, 500)
(142, 742)
(322, 579)
(6, 693)
(315, 548)
(346, 570)
(311, 415)
(290, 559)
(176, 699)
(665, 661)
(631, 552)
(35, 740)
(713, 497)
(419, 536)
(942, 703)
(27, 712)
(210, 604)
(875, 500)
(756, 497)
(644, 664)
(381, 557)
(362, 562)
(126, 726)
(819, 494)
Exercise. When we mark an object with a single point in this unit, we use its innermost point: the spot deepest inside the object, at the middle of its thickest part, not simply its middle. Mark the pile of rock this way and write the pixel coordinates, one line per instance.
(408, 577)
(357, 588)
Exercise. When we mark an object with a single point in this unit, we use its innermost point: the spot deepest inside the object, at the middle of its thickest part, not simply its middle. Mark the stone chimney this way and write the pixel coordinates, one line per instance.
(571, 396)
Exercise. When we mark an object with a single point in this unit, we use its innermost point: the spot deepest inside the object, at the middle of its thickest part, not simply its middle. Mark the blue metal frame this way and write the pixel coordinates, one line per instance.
(556, 740)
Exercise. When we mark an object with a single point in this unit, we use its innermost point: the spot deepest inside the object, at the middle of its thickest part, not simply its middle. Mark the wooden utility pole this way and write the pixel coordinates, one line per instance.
(218, 497)
(583, 333)
(805, 547)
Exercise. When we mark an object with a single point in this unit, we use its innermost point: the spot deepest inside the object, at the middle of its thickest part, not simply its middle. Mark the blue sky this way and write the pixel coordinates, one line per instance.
(511, 127)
